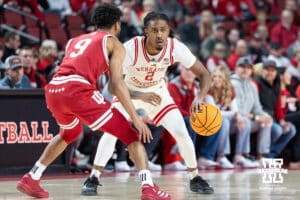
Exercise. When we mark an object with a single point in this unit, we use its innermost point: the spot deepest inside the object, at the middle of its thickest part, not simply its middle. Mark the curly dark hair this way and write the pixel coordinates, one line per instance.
(155, 16)
(106, 15)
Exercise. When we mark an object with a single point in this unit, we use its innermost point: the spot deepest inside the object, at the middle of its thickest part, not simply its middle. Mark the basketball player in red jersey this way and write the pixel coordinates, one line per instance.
(146, 62)
(72, 98)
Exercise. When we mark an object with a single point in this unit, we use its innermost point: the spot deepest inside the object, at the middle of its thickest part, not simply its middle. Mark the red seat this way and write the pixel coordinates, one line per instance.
(35, 31)
(13, 19)
(74, 22)
(53, 20)
(229, 25)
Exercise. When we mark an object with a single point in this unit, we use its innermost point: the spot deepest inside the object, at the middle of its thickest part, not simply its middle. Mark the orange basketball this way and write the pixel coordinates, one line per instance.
(208, 121)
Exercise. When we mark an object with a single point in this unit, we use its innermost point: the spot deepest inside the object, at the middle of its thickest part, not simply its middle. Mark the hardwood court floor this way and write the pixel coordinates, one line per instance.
(228, 185)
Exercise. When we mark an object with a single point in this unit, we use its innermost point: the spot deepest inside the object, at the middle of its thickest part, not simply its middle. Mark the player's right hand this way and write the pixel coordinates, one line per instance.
(144, 131)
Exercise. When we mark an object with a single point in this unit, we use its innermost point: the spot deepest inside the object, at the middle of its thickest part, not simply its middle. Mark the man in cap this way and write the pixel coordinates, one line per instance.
(268, 85)
(249, 105)
(14, 77)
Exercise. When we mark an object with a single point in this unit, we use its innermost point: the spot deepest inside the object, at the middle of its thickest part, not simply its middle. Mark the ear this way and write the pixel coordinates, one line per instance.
(146, 31)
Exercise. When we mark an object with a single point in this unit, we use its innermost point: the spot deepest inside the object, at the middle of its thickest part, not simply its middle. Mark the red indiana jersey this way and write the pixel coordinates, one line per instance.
(86, 56)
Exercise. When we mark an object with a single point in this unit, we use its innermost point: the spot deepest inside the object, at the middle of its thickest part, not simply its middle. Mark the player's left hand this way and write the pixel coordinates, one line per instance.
(196, 105)
(150, 97)
(144, 131)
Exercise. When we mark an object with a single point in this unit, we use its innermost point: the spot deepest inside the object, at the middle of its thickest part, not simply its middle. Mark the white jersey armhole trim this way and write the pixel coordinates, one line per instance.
(104, 49)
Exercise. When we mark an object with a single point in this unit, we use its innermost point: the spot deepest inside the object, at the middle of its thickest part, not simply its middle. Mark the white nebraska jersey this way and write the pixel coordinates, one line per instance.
(143, 70)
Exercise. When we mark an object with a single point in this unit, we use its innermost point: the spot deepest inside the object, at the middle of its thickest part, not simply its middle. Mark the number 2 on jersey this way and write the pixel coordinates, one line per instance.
(149, 75)
(79, 47)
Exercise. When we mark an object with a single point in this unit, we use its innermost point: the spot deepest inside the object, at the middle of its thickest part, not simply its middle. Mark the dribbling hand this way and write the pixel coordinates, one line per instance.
(196, 105)
(144, 131)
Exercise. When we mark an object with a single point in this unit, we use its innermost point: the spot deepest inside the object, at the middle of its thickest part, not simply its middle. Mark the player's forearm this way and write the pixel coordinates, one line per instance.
(120, 90)
(205, 83)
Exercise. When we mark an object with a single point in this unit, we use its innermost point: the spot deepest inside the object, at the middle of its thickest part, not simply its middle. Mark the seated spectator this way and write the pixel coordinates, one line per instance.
(128, 31)
(276, 54)
(36, 79)
(256, 50)
(249, 105)
(206, 23)
(48, 56)
(232, 38)
(268, 85)
(148, 6)
(2, 66)
(263, 32)
(240, 51)
(291, 49)
(224, 97)
(283, 29)
(208, 44)
(188, 32)
(62, 7)
(290, 106)
(261, 19)
(82, 6)
(183, 89)
(12, 43)
(14, 78)
(217, 58)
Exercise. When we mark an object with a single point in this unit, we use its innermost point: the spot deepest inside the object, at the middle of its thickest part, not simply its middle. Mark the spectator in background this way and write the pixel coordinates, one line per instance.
(224, 97)
(128, 31)
(48, 56)
(217, 59)
(208, 44)
(291, 49)
(292, 6)
(36, 79)
(12, 43)
(268, 86)
(284, 31)
(240, 51)
(232, 38)
(188, 32)
(14, 78)
(148, 6)
(30, 6)
(290, 106)
(249, 105)
(276, 54)
(134, 21)
(261, 19)
(62, 7)
(256, 50)
(171, 8)
(183, 90)
(206, 23)
(82, 6)
(263, 31)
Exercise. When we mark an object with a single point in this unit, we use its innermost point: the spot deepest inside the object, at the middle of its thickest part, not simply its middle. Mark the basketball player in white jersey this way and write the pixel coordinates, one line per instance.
(146, 62)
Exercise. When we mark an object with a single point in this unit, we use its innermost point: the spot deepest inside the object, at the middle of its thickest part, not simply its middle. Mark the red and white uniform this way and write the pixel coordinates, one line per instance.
(145, 73)
(72, 96)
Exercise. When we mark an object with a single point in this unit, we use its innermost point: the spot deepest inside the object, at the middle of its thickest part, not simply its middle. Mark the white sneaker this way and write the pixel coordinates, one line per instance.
(175, 166)
(204, 163)
(154, 167)
(225, 163)
(122, 166)
(243, 162)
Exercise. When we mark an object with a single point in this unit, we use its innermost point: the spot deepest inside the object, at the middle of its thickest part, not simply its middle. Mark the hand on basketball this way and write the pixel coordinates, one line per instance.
(150, 97)
(196, 105)
(144, 131)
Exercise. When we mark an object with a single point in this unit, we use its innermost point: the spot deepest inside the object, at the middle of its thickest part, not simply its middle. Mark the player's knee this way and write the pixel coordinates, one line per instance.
(71, 135)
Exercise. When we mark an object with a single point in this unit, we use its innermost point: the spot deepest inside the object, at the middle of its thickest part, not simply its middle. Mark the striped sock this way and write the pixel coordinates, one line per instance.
(145, 177)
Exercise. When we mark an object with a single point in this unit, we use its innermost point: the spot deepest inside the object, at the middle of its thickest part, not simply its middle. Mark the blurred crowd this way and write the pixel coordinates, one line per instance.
(250, 47)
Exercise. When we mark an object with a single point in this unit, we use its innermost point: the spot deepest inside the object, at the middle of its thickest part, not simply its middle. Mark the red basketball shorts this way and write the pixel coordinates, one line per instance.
(74, 100)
